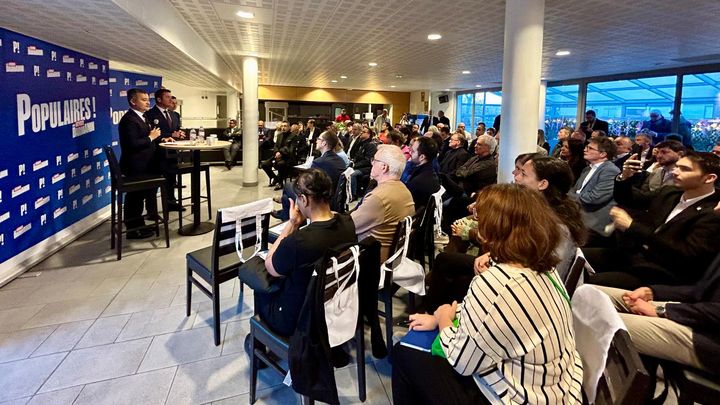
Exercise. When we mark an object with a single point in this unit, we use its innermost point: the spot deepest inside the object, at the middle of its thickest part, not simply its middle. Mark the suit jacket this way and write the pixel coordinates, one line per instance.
(156, 118)
(422, 184)
(427, 122)
(684, 246)
(137, 148)
(454, 158)
(442, 120)
(596, 198)
(332, 164)
(312, 136)
(476, 173)
(697, 306)
(599, 125)
(286, 144)
(362, 154)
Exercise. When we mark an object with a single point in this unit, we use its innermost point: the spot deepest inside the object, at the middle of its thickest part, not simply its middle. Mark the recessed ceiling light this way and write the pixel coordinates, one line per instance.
(478, 85)
(447, 89)
(542, 78)
(373, 64)
(245, 14)
(343, 77)
(392, 87)
(333, 81)
(562, 52)
(466, 72)
(398, 76)
(434, 37)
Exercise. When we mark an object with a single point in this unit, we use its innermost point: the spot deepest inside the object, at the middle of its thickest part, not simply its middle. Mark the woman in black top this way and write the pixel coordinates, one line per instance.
(572, 153)
(293, 255)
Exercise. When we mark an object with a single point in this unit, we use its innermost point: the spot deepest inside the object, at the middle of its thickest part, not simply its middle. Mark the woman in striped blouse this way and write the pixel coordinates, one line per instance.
(511, 339)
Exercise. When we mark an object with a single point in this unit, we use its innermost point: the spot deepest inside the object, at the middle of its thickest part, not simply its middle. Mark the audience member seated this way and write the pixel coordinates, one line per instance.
(580, 136)
(572, 151)
(667, 153)
(284, 157)
(643, 147)
(422, 182)
(329, 162)
(716, 149)
(384, 206)
(384, 130)
(514, 323)
(361, 153)
(541, 142)
(295, 252)
(594, 189)
(624, 147)
(562, 135)
(676, 323)
(445, 145)
(234, 135)
(396, 138)
(677, 237)
(456, 155)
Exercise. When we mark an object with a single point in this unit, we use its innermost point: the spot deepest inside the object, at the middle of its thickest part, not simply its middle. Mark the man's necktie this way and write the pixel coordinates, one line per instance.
(169, 120)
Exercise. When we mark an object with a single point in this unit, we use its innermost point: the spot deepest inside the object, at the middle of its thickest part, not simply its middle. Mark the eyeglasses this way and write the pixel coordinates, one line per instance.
(591, 148)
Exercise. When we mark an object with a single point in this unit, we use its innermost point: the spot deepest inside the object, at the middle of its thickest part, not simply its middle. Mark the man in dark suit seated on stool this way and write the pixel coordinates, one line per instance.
(283, 155)
(137, 143)
(163, 117)
(329, 162)
(676, 238)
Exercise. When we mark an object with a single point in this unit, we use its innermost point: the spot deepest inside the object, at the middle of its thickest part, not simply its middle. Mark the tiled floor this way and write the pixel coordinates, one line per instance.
(92, 330)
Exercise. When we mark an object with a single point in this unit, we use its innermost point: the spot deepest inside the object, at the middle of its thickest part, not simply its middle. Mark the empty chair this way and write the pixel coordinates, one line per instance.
(335, 273)
(120, 185)
(244, 225)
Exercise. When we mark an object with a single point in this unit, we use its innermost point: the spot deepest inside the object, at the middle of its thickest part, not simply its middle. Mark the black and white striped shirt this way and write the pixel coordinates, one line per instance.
(515, 336)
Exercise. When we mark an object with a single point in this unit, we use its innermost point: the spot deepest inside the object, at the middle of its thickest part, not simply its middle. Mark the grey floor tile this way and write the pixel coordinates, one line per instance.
(14, 318)
(145, 388)
(103, 331)
(109, 286)
(217, 378)
(14, 297)
(151, 323)
(64, 338)
(22, 378)
(235, 337)
(347, 383)
(144, 300)
(180, 348)
(69, 311)
(384, 372)
(97, 363)
(16, 401)
(60, 397)
(20, 344)
(278, 395)
(229, 311)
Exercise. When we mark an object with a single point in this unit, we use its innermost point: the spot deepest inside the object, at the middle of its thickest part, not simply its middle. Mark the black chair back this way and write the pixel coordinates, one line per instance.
(115, 172)
(625, 380)
(345, 269)
(339, 200)
(573, 277)
(226, 230)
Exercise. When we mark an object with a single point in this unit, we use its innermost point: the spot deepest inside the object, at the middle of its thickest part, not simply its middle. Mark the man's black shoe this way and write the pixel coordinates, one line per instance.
(140, 234)
(173, 206)
(228, 165)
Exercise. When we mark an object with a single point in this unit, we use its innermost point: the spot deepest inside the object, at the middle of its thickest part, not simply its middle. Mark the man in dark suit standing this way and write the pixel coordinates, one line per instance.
(163, 117)
(442, 119)
(677, 236)
(137, 142)
(592, 123)
(427, 122)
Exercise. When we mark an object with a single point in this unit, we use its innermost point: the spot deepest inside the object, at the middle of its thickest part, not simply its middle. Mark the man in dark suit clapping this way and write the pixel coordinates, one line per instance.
(137, 142)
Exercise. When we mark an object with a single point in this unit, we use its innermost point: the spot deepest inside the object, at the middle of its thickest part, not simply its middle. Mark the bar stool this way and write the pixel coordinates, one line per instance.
(186, 168)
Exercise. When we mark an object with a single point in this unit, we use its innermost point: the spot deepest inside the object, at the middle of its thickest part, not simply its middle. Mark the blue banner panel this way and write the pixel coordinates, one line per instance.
(54, 122)
(120, 83)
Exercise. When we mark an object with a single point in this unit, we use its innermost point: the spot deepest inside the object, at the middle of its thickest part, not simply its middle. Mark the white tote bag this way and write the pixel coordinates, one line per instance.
(408, 274)
(343, 309)
(243, 215)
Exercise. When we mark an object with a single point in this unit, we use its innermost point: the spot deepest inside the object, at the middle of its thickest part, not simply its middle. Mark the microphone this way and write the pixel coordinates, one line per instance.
(155, 121)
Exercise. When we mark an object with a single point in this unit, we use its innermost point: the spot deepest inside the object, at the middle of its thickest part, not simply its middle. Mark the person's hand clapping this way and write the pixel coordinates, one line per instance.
(621, 219)
(422, 322)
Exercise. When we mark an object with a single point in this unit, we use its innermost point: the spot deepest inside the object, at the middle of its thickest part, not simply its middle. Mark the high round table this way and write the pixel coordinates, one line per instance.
(196, 227)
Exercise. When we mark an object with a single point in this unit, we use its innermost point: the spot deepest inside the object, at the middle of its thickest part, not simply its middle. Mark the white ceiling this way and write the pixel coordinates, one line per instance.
(311, 42)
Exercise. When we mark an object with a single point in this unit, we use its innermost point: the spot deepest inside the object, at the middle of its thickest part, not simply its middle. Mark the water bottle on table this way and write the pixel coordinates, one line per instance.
(193, 135)
(201, 135)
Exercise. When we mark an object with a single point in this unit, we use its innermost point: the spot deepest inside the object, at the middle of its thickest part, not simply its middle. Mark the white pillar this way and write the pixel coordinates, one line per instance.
(522, 61)
(541, 104)
(250, 117)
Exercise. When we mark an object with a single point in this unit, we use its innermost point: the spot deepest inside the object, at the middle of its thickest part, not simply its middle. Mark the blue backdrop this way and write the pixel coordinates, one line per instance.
(120, 83)
(53, 122)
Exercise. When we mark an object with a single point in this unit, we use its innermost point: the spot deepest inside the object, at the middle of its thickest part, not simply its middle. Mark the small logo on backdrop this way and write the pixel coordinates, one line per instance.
(141, 82)
(60, 194)
(3, 173)
(59, 212)
(82, 62)
(108, 189)
(97, 151)
(126, 82)
(99, 179)
(74, 204)
(92, 66)
(41, 182)
(113, 80)
(72, 157)
(98, 166)
(68, 59)
(105, 163)
(20, 230)
(103, 68)
(85, 169)
(123, 93)
(53, 73)
(21, 169)
(36, 71)
(86, 152)
(23, 209)
(73, 173)
(87, 183)
(93, 81)
(115, 143)
(53, 56)
(40, 164)
(68, 77)
(19, 190)
(73, 189)
(4, 217)
(58, 177)
(12, 67)
(0, 196)
(87, 199)
(58, 160)
(155, 84)
(80, 78)
(103, 82)
(43, 219)
(16, 47)
(41, 201)
(34, 51)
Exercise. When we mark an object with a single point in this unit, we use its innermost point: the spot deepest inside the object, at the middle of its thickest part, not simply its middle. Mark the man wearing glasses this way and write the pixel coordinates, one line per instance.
(594, 189)
(658, 124)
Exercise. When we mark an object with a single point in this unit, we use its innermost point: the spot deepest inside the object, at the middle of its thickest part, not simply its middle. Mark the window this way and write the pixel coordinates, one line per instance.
(626, 104)
(560, 110)
(487, 107)
(699, 122)
(465, 110)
